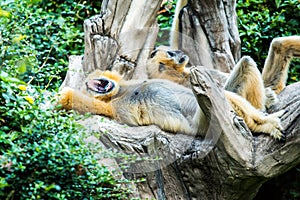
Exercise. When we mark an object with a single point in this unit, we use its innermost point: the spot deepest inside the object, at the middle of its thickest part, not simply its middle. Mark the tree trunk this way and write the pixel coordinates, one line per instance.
(209, 34)
(229, 163)
(121, 37)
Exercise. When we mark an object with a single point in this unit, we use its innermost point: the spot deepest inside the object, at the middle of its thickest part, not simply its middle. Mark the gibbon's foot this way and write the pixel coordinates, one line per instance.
(277, 134)
(273, 122)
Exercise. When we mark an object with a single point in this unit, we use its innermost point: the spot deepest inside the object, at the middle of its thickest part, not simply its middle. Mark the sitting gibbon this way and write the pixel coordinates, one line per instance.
(173, 107)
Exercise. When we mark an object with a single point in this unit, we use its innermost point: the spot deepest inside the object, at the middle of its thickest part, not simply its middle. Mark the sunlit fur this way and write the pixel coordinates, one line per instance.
(174, 108)
(163, 66)
(280, 54)
(244, 90)
(246, 80)
(166, 104)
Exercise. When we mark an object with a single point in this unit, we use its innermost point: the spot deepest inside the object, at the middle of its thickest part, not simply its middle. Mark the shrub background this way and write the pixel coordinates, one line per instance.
(259, 21)
(42, 150)
(38, 36)
(262, 20)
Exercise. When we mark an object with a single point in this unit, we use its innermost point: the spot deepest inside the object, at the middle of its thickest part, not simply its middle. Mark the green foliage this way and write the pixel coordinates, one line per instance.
(261, 20)
(165, 20)
(42, 152)
(36, 37)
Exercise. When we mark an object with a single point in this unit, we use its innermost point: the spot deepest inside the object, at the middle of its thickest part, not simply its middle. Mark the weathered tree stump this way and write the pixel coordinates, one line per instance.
(228, 163)
(209, 34)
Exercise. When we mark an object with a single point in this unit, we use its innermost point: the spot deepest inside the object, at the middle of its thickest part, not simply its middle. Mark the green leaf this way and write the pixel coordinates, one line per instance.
(21, 67)
(278, 2)
(6, 78)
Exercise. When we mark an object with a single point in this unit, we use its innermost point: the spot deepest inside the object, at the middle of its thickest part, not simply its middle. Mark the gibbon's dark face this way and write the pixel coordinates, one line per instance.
(170, 58)
(178, 56)
(100, 85)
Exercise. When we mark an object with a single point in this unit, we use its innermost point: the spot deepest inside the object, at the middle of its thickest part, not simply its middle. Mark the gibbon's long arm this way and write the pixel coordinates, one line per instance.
(73, 99)
(275, 70)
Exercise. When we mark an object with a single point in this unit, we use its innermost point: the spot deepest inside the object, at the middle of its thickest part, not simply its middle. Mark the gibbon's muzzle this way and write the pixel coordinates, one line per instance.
(101, 85)
(178, 56)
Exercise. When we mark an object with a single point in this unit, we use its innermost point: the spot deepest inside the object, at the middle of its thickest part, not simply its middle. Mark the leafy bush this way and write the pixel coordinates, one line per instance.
(42, 153)
(260, 21)
(37, 37)
(165, 20)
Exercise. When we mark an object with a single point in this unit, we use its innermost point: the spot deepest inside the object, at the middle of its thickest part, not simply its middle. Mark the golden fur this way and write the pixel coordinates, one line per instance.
(167, 64)
(248, 91)
(280, 54)
(245, 80)
(136, 103)
(172, 106)
(255, 119)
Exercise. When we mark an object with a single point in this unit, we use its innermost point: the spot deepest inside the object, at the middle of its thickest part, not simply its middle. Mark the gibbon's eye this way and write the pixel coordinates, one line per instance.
(101, 85)
(153, 53)
(170, 53)
(161, 67)
(181, 60)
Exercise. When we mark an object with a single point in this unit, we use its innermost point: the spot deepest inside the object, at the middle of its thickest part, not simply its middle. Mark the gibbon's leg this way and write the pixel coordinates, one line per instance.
(246, 80)
(275, 70)
(174, 37)
(72, 99)
(271, 97)
(256, 120)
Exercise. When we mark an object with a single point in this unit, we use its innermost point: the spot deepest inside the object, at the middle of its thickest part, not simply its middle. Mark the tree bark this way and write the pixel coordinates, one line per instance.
(229, 163)
(209, 34)
(121, 37)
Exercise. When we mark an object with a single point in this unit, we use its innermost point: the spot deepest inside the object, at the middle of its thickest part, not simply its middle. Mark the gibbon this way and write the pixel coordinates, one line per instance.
(171, 65)
(166, 104)
(173, 107)
(167, 64)
(246, 89)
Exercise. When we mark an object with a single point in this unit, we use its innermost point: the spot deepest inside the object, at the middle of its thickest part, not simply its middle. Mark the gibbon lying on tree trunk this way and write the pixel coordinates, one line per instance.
(173, 107)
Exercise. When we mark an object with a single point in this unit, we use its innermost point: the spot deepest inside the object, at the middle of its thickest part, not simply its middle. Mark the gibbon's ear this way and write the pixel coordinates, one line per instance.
(103, 85)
